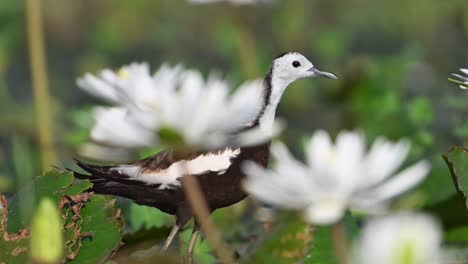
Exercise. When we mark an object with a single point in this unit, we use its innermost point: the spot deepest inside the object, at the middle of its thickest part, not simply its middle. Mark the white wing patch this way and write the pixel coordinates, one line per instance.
(167, 178)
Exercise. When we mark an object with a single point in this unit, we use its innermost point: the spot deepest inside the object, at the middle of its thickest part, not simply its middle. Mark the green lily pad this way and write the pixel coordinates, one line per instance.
(322, 247)
(91, 228)
(147, 217)
(289, 241)
(457, 161)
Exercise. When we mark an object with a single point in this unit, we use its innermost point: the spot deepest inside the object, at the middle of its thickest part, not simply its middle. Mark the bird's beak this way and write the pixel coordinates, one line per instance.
(318, 73)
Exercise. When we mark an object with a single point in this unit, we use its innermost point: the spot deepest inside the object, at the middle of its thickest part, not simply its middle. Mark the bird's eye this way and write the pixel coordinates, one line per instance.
(296, 64)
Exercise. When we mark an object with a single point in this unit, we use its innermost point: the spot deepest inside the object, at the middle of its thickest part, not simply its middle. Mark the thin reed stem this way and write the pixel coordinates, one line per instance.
(340, 242)
(245, 46)
(202, 214)
(40, 82)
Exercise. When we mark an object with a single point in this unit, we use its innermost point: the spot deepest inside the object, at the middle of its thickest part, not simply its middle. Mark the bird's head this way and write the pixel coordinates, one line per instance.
(292, 66)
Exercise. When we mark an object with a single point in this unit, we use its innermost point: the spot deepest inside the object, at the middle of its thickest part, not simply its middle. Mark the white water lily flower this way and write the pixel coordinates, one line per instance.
(335, 177)
(461, 79)
(131, 84)
(115, 125)
(404, 238)
(203, 112)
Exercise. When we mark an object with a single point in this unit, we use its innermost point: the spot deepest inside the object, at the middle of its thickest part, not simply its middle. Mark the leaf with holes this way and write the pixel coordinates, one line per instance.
(91, 224)
(289, 241)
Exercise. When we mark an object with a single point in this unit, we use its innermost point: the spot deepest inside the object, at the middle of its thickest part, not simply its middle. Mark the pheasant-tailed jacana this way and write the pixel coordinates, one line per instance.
(155, 181)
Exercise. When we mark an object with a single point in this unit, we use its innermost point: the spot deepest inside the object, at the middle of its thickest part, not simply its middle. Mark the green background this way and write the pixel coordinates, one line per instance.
(392, 57)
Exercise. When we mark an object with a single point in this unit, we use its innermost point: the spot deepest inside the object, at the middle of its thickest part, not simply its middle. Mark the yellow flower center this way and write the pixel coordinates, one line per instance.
(406, 253)
(332, 154)
(122, 73)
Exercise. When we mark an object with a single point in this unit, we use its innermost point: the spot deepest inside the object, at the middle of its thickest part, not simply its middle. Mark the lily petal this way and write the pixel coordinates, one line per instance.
(318, 151)
(350, 148)
(400, 183)
(383, 160)
(259, 183)
(97, 88)
(325, 212)
(113, 126)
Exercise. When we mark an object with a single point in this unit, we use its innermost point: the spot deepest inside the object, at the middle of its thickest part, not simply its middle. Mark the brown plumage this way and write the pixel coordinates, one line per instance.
(220, 189)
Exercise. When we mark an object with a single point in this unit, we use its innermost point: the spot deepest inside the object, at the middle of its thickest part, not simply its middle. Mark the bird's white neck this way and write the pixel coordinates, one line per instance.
(276, 87)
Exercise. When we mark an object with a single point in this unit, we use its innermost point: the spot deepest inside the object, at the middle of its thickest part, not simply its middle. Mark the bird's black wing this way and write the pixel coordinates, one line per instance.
(158, 161)
(155, 170)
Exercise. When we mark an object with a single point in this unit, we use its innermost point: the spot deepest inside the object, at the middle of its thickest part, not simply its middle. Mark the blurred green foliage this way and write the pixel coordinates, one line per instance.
(457, 160)
(322, 247)
(392, 58)
(289, 241)
(202, 253)
(146, 217)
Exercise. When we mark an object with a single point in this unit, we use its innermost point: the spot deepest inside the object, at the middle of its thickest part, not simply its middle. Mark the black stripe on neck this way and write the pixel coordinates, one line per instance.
(267, 86)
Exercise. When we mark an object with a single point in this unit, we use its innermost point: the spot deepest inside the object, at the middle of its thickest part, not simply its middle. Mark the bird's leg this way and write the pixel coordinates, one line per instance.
(191, 245)
(170, 238)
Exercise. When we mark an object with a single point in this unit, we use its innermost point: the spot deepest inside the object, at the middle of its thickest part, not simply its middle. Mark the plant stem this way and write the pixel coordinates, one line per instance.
(340, 242)
(40, 82)
(458, 82)
(202, 215)
(245, 46)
